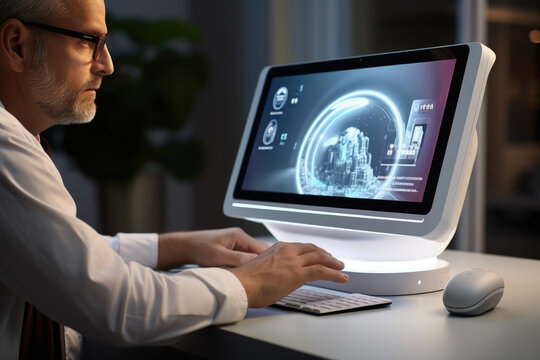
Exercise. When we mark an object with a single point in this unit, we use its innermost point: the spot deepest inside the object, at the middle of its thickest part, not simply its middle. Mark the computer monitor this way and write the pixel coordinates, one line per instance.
(368, 157)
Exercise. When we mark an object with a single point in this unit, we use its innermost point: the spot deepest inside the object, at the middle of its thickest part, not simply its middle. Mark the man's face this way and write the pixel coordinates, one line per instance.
(65, 86)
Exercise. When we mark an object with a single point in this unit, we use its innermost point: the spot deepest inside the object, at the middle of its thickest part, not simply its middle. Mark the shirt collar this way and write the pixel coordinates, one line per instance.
(3, 107)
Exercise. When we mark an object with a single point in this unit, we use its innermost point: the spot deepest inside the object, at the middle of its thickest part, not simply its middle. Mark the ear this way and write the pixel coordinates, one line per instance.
(16, 43)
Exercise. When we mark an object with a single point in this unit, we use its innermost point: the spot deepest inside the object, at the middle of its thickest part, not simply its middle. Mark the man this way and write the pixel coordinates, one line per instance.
(50, 72)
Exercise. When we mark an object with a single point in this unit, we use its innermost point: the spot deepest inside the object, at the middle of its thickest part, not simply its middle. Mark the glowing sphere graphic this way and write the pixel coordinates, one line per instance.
(342, 151)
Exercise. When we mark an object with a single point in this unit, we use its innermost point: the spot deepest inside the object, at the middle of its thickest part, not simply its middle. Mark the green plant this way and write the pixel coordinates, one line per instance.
(143, 106)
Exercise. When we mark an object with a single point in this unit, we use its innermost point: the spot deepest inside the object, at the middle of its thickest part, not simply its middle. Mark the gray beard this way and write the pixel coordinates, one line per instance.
(62, 103)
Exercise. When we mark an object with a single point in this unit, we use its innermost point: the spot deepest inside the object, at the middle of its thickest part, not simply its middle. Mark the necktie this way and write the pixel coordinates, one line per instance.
(41, 337)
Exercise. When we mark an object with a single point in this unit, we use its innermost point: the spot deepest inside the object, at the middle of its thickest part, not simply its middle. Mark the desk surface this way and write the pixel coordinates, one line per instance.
(413, 327)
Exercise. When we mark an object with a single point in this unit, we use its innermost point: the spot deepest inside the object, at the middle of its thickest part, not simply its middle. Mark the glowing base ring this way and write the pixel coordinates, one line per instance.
(394, 283)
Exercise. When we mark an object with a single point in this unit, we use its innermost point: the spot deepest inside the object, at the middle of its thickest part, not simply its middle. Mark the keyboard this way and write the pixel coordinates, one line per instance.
(320, 301)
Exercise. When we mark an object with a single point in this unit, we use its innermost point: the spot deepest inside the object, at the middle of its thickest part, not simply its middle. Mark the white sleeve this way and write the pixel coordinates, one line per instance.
(138, 247)
(54, 260)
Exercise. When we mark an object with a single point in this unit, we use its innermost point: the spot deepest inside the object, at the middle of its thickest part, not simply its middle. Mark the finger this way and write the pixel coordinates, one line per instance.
(304, 248)
(323, 258)
(236, 258)
(248, 244)
(320, 272)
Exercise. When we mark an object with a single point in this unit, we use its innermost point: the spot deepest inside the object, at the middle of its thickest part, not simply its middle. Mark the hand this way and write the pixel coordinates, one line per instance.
(283, 268)
(224, 247)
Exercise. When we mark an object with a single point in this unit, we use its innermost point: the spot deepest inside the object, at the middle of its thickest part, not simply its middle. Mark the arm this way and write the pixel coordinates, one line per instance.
(57, 262)
(224, 247)
(267, 274)
(265, 278)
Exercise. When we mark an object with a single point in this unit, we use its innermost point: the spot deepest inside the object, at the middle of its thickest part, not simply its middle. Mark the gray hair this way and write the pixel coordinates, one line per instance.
(39, 11)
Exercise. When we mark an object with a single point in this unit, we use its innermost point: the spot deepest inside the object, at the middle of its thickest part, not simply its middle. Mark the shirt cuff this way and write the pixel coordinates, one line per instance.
(229, 292)
(141, 248)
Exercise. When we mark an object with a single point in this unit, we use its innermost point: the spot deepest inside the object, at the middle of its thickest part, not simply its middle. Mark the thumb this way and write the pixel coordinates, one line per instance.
(236, 258)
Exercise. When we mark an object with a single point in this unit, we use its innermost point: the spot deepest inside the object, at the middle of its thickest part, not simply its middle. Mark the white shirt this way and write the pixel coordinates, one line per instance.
(55, 261)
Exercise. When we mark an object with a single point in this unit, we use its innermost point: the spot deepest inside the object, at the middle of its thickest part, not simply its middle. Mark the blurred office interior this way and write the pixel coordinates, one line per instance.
(239, 37)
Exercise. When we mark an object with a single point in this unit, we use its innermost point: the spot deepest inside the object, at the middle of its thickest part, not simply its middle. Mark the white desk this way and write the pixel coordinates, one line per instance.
(413, 327)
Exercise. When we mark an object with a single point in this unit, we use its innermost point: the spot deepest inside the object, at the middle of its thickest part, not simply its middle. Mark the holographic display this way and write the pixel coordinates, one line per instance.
(367, 133)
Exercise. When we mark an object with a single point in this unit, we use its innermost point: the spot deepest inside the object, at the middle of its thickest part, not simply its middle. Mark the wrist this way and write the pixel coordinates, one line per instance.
(172, 251)
(245, 284)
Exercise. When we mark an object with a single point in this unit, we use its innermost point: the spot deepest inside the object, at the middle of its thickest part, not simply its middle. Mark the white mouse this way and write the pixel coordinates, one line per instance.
(473, 292)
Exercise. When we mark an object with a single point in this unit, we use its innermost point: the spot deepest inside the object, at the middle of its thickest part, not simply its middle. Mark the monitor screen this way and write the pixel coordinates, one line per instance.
(363, 133)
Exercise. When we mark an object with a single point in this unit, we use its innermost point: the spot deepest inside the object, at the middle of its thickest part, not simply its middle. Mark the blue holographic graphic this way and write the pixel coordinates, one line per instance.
(335, 159)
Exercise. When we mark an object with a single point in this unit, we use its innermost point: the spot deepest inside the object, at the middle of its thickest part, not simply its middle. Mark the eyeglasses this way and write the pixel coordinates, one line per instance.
(99, 40)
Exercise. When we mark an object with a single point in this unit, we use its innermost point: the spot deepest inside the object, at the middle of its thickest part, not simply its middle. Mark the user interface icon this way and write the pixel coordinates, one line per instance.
(270, 132)
(280, 98)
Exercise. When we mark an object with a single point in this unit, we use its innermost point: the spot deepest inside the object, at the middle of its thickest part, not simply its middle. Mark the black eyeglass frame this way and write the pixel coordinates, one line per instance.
(99, 40)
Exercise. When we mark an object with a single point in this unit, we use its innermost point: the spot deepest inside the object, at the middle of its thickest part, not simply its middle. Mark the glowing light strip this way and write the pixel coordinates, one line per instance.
(317, 212)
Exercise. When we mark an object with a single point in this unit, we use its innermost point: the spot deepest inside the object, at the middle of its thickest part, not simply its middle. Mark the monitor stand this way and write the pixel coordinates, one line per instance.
(385, 264)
